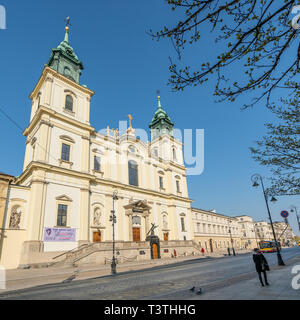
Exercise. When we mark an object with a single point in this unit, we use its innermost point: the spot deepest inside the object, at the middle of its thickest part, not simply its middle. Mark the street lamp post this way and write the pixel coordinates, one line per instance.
(231, 238)
(255, 178)
(113, 219)
(294, 209)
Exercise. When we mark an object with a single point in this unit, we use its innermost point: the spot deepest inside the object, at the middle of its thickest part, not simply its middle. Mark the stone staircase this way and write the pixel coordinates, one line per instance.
(74, 256)
(130, 252)
(70, 257)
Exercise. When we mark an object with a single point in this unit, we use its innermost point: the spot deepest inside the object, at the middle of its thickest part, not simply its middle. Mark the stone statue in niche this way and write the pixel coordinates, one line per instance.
(97, 217)
(165, 223)
(15, 218)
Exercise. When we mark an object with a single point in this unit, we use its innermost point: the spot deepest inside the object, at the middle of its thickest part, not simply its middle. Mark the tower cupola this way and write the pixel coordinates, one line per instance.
(64, 60)
(161, 123)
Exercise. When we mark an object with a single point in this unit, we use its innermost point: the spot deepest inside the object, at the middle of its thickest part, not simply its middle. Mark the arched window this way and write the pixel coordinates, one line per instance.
(154, 152)
(132, 149)
(182, 224)
(67, 71)
(137, 220)
(174, 154)
(165, 222)
(69, 103)
(97, 163)
(133, 173)
(177, 184)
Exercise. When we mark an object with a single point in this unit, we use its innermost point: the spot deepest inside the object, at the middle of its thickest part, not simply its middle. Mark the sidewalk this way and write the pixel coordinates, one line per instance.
(248, 287)
(22, 278)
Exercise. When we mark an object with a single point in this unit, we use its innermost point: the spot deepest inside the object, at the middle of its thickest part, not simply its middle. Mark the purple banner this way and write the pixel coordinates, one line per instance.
(59, 235)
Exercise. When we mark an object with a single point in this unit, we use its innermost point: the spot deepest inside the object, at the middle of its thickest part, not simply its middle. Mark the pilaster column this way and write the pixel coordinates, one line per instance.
(35, 210)
(147, 224)
(169, 184)
(27, 153)
(43, 140)
(174, 223)
(84, 215)
(185, 187)
(85, 155)
(87, 115)
(48, 92)
(130, 227)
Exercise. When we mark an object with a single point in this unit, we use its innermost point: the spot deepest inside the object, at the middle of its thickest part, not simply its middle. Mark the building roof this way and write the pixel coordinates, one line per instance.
(244, 215)
(213, 212)
(5, 174)
(6, 177)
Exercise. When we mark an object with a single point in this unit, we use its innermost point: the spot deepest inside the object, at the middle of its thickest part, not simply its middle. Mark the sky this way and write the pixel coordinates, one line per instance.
(125, 67)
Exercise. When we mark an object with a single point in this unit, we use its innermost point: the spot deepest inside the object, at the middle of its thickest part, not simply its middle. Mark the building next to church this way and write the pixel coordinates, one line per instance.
(284, 232)
(263, 231)
(249, 238)
(215, 232)
(63, 198)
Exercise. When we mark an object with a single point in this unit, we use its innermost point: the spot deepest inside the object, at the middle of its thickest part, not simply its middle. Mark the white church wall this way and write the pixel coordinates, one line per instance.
(55, 190)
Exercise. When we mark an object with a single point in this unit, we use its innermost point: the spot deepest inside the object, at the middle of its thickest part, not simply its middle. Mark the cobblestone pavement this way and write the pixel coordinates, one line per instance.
(163, 282)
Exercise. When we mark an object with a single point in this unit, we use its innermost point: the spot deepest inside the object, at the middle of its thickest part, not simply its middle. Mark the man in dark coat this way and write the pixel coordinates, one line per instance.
(261, 266)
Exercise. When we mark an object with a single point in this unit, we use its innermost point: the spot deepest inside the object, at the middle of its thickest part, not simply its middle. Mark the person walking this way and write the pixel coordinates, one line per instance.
(202, 251)
(261, 265)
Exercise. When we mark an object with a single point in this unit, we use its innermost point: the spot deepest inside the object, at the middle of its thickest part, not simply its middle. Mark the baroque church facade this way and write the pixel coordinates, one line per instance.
(63, 198)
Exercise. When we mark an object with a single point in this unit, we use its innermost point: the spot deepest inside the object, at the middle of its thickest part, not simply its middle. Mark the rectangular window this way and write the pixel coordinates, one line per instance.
(177, 186)
(161, 182)
(182, 224)
(97, 165)
(65, 152)
(62, 215)
(133, 173)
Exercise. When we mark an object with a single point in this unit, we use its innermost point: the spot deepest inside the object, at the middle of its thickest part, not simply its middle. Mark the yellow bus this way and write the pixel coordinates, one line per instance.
(268, 246)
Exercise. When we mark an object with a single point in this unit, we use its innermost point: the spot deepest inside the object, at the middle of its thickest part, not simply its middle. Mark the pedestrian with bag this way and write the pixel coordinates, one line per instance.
(261, 265)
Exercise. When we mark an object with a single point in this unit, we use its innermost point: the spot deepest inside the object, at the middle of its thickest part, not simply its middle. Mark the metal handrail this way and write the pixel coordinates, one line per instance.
(129, 258)
(71, 251)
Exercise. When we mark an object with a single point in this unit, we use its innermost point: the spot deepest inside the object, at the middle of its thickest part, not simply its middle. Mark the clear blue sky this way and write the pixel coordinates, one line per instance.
(125, 67)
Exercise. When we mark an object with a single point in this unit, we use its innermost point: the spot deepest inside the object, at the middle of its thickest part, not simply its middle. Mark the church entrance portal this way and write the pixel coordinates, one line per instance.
(97, 236)
(155, 251)
(136, 232)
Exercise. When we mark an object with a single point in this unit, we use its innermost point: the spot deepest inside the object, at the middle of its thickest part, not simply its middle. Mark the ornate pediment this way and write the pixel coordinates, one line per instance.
(140, 206)
(64, 198)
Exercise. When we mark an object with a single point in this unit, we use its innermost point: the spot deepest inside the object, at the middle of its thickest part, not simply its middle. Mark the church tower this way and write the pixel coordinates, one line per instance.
(58, 147)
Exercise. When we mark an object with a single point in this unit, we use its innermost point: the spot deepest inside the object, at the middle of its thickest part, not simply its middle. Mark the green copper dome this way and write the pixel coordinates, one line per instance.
(64, 60)
(161, 123)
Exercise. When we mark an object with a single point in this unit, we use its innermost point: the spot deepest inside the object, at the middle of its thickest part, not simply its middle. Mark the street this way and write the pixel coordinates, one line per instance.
(163, 282)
